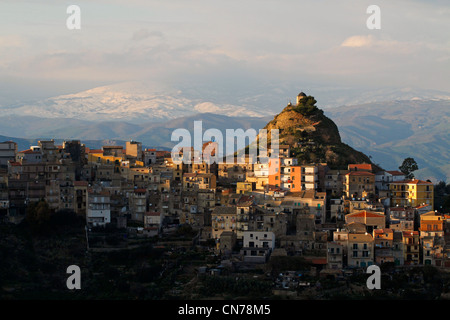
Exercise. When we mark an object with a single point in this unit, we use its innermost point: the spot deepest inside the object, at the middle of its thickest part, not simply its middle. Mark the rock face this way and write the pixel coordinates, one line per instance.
(313, 137)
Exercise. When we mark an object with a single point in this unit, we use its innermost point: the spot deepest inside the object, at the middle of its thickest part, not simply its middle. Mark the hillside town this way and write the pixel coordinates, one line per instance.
(337, 219)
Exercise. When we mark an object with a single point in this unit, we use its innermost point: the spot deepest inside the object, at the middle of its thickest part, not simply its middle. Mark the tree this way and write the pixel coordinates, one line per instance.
(408, 166)
(38, 215)
(307, 106)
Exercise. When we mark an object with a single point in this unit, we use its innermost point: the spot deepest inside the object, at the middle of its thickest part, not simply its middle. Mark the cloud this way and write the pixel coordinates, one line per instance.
(145, 34)
(359, 41)
(11, 41)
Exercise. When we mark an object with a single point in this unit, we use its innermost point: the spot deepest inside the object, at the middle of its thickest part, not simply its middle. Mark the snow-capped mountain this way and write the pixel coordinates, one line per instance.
(131, 101)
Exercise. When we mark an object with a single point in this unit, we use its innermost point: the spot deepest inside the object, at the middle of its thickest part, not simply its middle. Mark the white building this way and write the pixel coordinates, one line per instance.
(257, 246)
(99, 209)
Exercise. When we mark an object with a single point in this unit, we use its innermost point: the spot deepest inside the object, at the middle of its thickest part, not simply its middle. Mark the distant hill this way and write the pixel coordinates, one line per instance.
(131, 102)
(23, 144)
(393, 130)
(30, 129)
(312, 136)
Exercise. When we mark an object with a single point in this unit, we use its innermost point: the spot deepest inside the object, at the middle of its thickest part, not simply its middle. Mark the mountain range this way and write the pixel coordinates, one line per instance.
(391, 131)
(413, 124)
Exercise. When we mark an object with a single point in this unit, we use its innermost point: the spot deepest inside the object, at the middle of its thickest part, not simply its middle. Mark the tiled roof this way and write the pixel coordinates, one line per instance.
(385, 230)
(396, 173)
(360, 173)
(413, 181)
(360, 166)
(366, 214)
(29, 151)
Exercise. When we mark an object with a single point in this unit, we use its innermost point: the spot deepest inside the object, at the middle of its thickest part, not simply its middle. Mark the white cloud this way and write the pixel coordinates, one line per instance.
(359, 41)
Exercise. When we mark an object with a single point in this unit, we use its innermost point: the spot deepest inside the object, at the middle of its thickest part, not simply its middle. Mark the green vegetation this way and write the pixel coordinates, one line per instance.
(408, 166)
(307, 106)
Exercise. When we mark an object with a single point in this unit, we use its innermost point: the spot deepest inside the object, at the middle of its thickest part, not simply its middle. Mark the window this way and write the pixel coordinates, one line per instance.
(355, 246)
(355, 254)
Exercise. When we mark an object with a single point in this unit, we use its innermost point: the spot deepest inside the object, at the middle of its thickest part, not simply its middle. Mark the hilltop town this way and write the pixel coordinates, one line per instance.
(331, 221)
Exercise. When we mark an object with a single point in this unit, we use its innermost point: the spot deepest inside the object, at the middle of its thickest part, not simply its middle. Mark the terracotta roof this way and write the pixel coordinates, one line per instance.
(29, 151)
(360, 173)
(413, 181)
(14, 163)
(366, 214)
(385, 230)
(360, 166)
(140, 190)
(410, 233)
(319, 261)
(396, 173)
(95, 151)
(359, 237)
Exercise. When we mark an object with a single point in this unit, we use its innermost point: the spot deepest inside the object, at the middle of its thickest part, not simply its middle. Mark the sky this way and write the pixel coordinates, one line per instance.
(230, 45)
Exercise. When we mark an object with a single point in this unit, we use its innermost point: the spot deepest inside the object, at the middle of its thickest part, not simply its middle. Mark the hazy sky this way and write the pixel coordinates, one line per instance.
(229, 42)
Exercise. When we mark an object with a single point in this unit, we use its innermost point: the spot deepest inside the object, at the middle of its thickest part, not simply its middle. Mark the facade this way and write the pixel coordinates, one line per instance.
(335, 255)
(360, 250)
(359, 184)
(411, 247)
(412, 193)
(99, 209)
(372, 220)
(8, 151)
(257, 246)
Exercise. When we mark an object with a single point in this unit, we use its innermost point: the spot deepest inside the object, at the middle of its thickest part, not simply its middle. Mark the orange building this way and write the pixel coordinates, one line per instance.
(431, 225)
(286, 174)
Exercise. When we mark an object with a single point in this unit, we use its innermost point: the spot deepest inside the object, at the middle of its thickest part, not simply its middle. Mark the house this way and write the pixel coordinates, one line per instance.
(433, 251)
(401, 218)
(335, 255)
(360, 250)
(432, 224)
(227, 241)
(152, 223)
(383, 241)
(411, 247)
(80, 189)
(411, 193)
(372, 220)
(360, 167)
(359, 184)
(244, 187)
(223, 219)
(8, 151)
(33, 154)
(195, 181)
(99, 209)
(384, 178)
(334, 182)
(138, 204)
(257, 246)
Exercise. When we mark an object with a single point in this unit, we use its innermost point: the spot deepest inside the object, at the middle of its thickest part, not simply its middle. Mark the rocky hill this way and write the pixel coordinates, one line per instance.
(312, 136)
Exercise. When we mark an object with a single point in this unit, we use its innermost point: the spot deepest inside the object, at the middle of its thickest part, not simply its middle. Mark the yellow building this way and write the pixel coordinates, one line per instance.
(411, 193)
(104, 159)
(244, 187)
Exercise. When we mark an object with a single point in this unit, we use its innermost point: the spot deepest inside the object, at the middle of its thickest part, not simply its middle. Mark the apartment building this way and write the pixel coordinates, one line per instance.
(411, 193)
